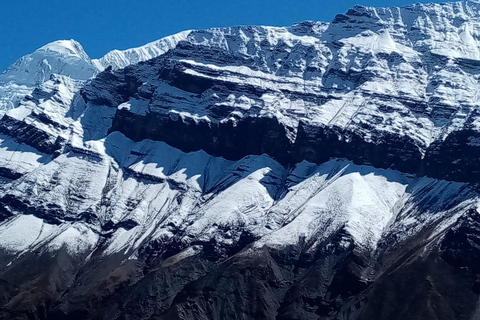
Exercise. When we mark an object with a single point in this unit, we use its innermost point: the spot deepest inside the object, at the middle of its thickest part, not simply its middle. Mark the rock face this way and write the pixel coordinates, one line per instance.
(319, 171)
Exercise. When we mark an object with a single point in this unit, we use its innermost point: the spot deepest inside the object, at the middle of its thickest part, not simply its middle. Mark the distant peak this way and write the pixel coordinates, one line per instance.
(63, 57)
(67, 48)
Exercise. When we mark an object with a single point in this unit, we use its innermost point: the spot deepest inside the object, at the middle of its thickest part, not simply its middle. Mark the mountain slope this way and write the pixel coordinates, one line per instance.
(319, 171)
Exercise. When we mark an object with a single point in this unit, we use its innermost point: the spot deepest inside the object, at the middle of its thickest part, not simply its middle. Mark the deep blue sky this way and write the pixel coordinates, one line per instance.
(103, 25)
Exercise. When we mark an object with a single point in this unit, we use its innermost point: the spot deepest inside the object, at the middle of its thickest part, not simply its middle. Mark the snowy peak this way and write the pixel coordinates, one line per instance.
(68, 58)
(65, 57)
(66, 48)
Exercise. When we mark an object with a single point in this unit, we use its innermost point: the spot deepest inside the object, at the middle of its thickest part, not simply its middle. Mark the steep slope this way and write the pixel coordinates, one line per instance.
(319, 171)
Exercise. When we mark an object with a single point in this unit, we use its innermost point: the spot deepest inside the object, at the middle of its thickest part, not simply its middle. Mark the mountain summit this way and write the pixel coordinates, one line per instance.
(317, 171)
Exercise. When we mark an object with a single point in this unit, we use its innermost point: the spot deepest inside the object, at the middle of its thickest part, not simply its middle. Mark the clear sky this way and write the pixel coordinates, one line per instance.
(103, 25)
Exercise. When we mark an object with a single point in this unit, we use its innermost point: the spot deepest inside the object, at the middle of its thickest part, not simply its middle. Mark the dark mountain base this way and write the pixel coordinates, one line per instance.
(422, 279)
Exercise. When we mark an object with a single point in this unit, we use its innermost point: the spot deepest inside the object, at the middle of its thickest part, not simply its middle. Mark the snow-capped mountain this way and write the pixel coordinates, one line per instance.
(67, 57)
(318, 171)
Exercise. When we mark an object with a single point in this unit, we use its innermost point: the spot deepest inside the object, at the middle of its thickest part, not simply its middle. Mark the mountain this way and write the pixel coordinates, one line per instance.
(68, 58)
(317, 171)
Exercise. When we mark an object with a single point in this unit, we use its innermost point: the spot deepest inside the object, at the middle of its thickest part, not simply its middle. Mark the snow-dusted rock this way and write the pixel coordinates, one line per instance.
(118, 59)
